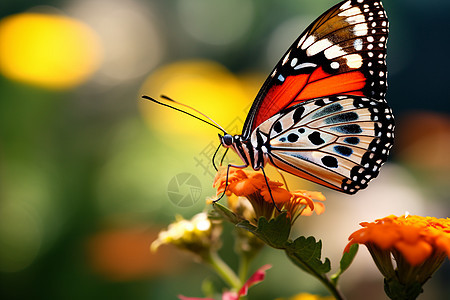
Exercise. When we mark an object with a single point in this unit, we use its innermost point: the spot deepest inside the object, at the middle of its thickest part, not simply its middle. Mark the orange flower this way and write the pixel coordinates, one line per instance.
(253, 186)
(306, 198)
(418, 244)
(121, 254)
(244, 183)
(415, 237)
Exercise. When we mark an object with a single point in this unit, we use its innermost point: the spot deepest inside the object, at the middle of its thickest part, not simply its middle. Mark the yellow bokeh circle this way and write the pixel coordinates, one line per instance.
(205, 85)
(48, 50)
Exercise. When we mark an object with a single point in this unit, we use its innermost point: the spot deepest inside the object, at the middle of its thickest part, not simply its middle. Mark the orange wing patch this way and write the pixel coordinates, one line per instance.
(325, 86)
(299, 88)
(279, 97)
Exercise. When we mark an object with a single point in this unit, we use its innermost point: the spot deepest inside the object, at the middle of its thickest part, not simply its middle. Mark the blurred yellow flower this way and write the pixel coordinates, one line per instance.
(47, 50)
(205, 85)
(306, 296)
(198, 235)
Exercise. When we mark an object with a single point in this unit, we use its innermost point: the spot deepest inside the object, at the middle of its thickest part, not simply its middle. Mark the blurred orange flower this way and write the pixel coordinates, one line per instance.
(253, 186)
(122, 254)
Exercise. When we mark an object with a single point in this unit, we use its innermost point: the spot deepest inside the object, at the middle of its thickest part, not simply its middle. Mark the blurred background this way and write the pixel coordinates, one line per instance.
(89, 172)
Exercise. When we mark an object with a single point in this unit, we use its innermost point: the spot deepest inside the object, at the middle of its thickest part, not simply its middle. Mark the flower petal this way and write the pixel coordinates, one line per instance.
(415, 253)
(257, 277)
(181, 297)
(230, 296)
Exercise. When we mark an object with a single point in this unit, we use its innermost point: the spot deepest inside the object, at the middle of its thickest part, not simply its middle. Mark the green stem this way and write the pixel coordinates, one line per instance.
(321, 277)
(327, 282)
(223, 270)
(244, 266)
(331, 287)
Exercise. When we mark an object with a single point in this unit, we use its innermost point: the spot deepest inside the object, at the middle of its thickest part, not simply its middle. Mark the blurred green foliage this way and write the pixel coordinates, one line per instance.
(79, 161)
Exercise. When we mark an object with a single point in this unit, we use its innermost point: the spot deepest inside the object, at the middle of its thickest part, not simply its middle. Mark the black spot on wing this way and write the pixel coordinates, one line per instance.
(277, 127)
(328, 110)
(348, 129)
(343, 150)
(315, 138)
(301, 130)
(342, 118)
(330, 161)
(319, 102)
(292, 137)
(353, 140)
(297, 116)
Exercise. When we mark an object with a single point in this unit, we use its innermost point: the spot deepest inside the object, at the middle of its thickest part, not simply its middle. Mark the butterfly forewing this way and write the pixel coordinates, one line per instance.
(341, 53)
(340, 141)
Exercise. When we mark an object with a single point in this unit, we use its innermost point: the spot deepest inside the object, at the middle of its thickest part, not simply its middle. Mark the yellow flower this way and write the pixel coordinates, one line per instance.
(48, 50)
(198, 235)
(253, 186)
(418, 244)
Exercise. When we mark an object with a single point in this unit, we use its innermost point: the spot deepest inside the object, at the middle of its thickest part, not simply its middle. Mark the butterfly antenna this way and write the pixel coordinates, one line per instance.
(212, 122)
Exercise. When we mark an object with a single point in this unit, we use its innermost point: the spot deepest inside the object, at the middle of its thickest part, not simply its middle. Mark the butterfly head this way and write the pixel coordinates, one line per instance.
(227, 140)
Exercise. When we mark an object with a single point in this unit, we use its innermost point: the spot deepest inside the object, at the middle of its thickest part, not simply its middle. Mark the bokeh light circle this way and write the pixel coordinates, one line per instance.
(216, 22)
(48, 50)
(204, 85)
(133, 43)
(20, 235)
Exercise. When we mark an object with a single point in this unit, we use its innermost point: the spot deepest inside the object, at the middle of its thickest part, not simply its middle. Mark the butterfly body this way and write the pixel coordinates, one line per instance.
(321, 114)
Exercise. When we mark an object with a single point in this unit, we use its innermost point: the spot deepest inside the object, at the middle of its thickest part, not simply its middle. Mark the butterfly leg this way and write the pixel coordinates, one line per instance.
(214, 157)
(223, 157)
(283, 178)
(270, 191)
(226, 181)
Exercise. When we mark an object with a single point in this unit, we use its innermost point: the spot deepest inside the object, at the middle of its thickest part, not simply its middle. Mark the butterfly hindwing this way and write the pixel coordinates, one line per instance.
(338, 141)
(341, 52)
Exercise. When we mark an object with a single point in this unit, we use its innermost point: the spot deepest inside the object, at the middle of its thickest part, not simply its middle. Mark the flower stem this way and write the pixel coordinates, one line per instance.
(320, 276)
(243, 266)
(223, 270)
(326, 282)
(331, 287)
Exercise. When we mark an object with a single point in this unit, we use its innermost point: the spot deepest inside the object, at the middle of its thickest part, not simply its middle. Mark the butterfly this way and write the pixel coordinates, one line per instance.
(321, 114)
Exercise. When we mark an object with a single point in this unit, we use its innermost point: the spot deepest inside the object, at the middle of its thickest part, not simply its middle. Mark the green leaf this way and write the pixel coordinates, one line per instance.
(346, 261)
(226, 213)
(306, 254)
(398, 291)
(347, 257)
(274, 233)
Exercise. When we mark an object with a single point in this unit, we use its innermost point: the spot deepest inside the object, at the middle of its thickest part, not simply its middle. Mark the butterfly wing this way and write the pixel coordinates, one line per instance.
(339, 141)
(341, 52)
